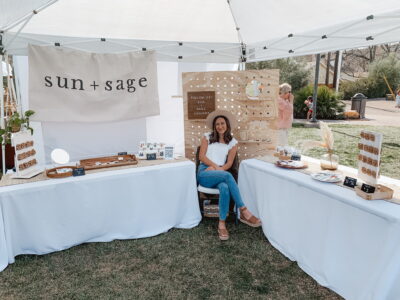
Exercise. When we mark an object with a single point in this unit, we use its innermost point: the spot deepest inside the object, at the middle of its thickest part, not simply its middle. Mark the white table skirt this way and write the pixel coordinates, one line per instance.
(346, 243)
(52, 215)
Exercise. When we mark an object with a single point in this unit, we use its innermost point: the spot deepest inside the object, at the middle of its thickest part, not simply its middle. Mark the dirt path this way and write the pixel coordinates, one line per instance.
(378, 112)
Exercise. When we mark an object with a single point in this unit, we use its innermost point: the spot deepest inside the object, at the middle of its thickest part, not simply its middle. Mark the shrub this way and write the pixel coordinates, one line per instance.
(374, 86)
(328, 104)
(388, 66)
(350, 88)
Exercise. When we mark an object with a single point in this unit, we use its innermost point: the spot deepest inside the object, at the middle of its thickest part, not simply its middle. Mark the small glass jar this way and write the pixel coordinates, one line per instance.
(329, 161)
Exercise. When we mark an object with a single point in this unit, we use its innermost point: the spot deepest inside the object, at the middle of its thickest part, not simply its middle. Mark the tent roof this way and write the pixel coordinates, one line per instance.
(201, 30)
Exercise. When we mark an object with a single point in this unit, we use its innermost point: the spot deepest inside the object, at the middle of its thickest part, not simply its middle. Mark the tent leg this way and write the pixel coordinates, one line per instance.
(3, 147)
(335, 73)
(315, 94)
(11, 87)
(339, 70)
(17, 88)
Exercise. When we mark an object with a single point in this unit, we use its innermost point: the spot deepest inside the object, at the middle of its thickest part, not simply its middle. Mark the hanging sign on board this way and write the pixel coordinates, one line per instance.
(200, 104)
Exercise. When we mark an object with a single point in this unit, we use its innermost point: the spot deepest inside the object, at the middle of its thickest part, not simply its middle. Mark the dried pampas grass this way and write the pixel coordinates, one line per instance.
(327, 139)
(327, 136)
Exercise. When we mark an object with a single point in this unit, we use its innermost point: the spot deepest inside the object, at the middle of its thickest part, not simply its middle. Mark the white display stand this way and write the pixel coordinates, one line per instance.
(369, 159)
(25, 153)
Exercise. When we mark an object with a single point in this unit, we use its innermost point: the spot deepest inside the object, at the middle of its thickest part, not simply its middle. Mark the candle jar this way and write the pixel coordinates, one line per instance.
(329, 161)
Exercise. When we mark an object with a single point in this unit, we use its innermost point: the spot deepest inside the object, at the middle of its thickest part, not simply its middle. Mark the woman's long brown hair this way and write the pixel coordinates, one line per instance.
(214, 136)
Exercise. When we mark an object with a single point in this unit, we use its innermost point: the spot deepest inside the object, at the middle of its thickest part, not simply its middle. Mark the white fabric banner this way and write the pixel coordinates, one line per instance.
(76, 86)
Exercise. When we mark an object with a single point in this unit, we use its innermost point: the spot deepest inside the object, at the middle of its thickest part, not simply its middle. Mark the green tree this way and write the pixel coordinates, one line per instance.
(292, 71)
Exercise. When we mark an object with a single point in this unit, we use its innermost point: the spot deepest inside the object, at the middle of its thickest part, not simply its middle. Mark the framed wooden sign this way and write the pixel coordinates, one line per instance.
(200, 104)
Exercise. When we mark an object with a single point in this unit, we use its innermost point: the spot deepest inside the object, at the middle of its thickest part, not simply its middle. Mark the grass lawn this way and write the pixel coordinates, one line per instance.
(182, 264)
(346, 141)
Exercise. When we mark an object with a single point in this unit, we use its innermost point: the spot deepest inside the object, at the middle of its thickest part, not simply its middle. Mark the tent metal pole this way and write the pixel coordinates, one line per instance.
(10, 85)
(240, 39)
(338, 71)
(328, 64)
(315, 94)
(17, 87)
(6, 46)
(2, 123)
(335, 70)
(34, 12)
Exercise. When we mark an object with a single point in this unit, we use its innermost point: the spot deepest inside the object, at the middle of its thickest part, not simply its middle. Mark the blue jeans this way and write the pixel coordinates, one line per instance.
(226, 184)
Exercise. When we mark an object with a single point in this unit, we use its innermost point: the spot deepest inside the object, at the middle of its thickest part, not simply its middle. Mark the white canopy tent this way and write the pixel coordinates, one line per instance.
(189, 31)
(197, 31)
(200, 30)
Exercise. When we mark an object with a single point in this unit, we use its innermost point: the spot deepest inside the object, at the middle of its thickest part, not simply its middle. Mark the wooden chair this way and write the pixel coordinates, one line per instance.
(213, 193)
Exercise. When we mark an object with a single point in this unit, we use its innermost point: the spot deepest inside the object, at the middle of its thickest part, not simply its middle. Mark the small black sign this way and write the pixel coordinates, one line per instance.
(151, 156)
(78, 172)
(369, 189)
(350, 182)
(296, 157)
(123, 153)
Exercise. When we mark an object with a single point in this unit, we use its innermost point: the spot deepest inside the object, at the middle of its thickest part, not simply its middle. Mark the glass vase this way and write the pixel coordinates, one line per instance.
(329, 161)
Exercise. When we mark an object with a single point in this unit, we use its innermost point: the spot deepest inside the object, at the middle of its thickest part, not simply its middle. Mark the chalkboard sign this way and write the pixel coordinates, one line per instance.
(350, 182)
(200, 104)
(368, 188)
(151, 156)
(78, 172)
(296, 157)
(123, 153)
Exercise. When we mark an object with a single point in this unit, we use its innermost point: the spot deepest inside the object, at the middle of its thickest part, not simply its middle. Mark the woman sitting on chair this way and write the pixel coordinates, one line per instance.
(217, 153)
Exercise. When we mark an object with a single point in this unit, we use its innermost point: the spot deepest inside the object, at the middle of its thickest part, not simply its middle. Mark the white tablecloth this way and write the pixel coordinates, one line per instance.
(52, 215)
(346, 243)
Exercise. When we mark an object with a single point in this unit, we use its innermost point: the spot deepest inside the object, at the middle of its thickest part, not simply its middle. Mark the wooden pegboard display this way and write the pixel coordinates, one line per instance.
(249, 95)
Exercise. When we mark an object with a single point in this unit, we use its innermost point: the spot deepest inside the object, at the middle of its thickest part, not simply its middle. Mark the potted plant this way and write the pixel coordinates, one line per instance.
(14, 124)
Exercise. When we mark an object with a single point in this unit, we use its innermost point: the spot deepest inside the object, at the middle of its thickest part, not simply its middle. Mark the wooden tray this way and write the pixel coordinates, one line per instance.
(381, 192)
(52, 173)
(108, 161)
(279, 164)
(282, 157)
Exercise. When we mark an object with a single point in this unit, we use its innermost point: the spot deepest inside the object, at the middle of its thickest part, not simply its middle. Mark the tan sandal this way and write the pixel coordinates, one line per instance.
(223, 234)
(252, 221)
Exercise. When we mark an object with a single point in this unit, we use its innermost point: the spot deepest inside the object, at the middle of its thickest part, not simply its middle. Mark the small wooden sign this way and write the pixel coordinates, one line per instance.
(200, 104)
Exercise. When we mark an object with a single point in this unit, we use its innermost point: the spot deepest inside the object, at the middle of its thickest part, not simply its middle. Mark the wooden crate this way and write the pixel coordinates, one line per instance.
(381, 192)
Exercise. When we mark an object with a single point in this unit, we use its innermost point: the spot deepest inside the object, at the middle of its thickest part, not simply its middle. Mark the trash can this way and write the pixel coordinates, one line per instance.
(358, 102)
